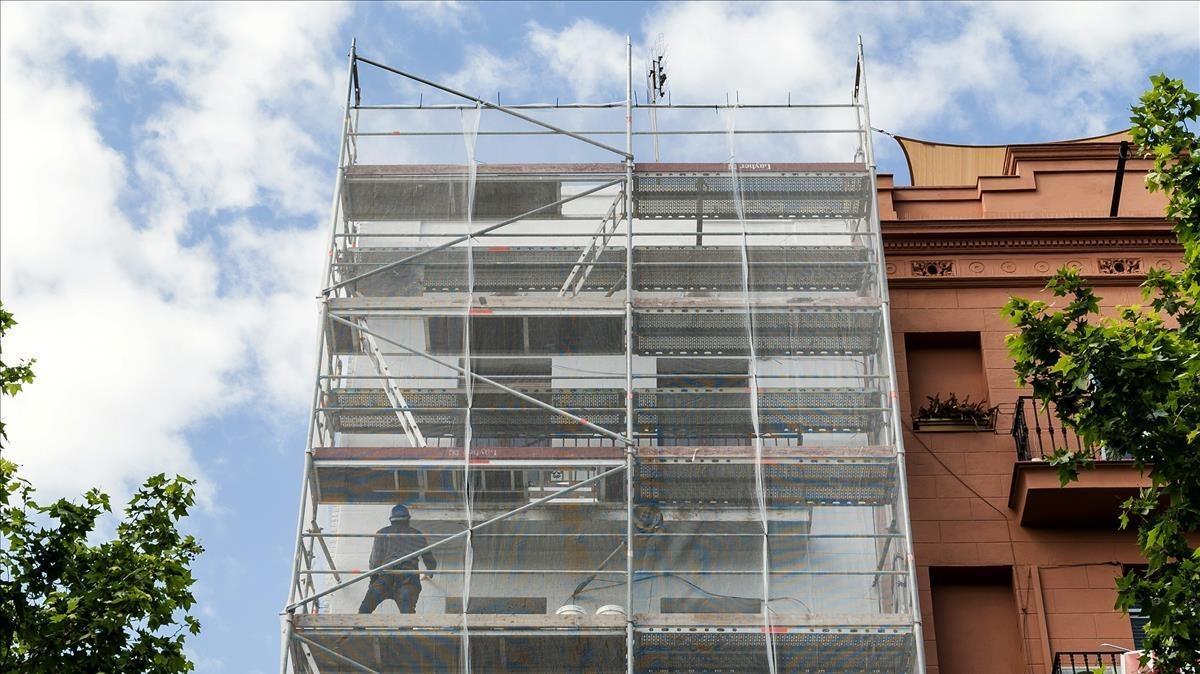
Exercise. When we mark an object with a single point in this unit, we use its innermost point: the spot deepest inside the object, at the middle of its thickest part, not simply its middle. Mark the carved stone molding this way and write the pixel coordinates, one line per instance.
(1032, 244)
(927, 268)
(1117, 266)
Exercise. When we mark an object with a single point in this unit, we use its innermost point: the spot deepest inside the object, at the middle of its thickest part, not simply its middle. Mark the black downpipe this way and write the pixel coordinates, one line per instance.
(1120, 179)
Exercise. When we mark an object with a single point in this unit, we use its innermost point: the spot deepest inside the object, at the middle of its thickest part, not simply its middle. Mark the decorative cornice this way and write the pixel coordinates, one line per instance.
(1061, 152)
(1060, 223)
(1033, 244)
(1006, 281)
(1120, 266)
(933, 268)
(1009, 236)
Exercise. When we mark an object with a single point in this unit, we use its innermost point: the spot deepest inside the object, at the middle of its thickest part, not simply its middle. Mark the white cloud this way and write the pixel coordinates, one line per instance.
(1119, 39)
(150, 319)
(589, 58)
(444, 14)
(483, 74)
(937, 76)
(932, 67)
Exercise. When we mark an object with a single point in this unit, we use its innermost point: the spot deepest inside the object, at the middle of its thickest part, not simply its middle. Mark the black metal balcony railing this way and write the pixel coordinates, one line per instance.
(1038, 432)
(1090, 663)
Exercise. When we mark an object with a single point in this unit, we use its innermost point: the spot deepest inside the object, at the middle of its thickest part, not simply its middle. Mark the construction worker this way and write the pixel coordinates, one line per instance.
(393, 542)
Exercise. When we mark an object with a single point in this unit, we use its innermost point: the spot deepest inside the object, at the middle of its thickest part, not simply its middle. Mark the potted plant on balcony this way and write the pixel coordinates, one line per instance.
(953, 414)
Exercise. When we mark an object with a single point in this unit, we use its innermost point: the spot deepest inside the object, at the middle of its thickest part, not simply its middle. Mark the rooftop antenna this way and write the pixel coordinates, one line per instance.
(656, 85)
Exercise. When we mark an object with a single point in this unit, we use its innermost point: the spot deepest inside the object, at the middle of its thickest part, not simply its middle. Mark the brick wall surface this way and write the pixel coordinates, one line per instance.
(959, 488)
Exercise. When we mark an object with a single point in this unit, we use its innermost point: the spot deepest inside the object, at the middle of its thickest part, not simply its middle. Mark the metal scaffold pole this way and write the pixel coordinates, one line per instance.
(306, 500)
(631, 446)
(890, 359)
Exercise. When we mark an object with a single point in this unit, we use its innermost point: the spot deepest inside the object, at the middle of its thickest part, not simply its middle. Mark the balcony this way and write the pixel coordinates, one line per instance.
(1092, 501)
(1078, 662)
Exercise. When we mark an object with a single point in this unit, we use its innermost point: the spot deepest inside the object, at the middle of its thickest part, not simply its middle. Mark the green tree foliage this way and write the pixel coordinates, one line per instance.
(68, 604)
(1130, 383)
(13, 377)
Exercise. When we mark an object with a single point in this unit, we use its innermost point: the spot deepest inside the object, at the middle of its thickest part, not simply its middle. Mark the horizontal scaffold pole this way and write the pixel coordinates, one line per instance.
(471, 235)
(496, 106)
(463, 371)
(462, 534)
(616, 104)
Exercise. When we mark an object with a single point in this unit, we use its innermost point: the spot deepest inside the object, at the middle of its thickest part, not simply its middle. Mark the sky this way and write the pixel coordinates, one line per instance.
(166, 172)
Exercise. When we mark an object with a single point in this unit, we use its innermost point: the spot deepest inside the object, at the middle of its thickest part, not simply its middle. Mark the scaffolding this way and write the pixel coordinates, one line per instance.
(643, 415)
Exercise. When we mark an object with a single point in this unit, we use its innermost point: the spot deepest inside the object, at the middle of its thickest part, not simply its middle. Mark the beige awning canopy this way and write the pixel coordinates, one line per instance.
(933, 164)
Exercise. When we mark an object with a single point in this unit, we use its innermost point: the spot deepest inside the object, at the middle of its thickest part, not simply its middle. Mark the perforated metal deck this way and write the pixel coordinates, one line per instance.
(521, 643)
(831, 650)
(665, 476)
(731, 481)
(826, 196)
(772, 268)
(503, 269)
(668, 412)
(777, 332)
(439, 191)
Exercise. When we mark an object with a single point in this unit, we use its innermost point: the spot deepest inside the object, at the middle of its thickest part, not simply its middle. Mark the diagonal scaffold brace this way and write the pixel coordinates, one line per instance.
(334, 654)
(461, 534)
(472, 235)
(491, 382)
(496, 106)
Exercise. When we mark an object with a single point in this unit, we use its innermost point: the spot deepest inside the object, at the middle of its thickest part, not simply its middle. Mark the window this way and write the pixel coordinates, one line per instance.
(1138, 619)
(1137, 623)
(941, 363)
(975, 620)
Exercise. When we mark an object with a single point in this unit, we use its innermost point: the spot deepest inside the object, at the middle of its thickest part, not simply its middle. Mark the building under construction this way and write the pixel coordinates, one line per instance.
(628, 366)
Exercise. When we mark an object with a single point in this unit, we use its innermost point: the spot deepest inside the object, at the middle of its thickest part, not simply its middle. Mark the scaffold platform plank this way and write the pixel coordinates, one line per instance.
(847, 650)
(497, 643)
(716, 477)
(671, 191)
(454, 304)
(513, 269)
(463, 170)
(455, 623)
(802, 330)
(665, 412)
(732, 483)
(441, 191)
(752, 195)
(593, 643)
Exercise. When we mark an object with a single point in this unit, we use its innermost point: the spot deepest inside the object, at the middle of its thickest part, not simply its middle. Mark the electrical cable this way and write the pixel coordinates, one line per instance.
(698, 588)
(580, 587)
(1011, 546)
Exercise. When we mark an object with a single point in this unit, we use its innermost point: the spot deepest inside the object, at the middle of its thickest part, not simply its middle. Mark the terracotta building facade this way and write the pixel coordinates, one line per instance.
(1016, 573)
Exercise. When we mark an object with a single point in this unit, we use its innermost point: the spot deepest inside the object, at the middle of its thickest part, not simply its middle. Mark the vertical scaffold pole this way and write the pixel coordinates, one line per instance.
(864, 110)
(307, 497)
(631, 445)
